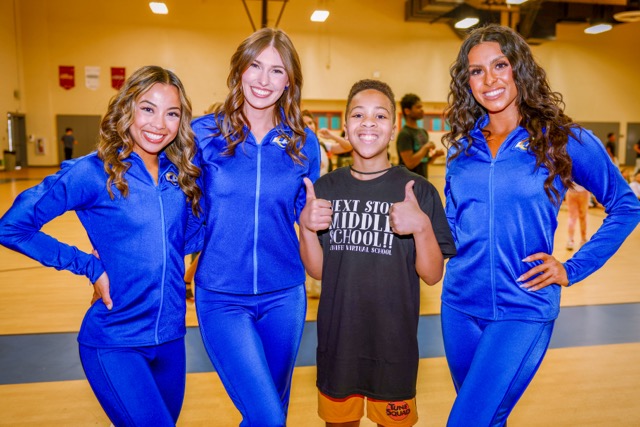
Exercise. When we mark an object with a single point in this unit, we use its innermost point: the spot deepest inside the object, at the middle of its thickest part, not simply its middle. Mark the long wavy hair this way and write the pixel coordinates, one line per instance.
(234, 125)
(541, 110)
(115, 143)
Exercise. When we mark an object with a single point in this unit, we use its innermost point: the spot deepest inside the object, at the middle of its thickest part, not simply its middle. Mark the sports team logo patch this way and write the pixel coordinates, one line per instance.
(398, 411)
(172, 178)
(280, 141)
(523, 145)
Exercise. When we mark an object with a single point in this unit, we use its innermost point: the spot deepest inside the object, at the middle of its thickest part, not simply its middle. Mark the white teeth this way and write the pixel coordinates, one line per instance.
(368, 137)
(153, 136)
(494, 92)
(261, 92)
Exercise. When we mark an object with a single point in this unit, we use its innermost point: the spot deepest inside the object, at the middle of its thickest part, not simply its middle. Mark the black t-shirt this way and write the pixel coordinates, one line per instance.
(369, 307)
(413, 139)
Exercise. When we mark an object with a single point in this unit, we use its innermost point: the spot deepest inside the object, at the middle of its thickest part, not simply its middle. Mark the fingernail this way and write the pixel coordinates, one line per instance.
(109, 306)
(519, 279)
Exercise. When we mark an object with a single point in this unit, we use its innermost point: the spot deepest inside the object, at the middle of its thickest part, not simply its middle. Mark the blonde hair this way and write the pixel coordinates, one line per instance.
(115, 143)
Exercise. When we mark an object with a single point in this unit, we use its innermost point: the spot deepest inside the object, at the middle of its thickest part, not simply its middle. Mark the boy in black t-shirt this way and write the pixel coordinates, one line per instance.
(370, 232)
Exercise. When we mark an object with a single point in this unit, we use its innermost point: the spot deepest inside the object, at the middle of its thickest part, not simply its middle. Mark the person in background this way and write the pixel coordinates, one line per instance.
(635, 184)
(577, 199)
(68, 141)
(636, 148)
(513, 153)
(250, 297)
(371, 284)
(138, 199)
(327, 150)
(610, 145)
(415, 151)
(338, 146)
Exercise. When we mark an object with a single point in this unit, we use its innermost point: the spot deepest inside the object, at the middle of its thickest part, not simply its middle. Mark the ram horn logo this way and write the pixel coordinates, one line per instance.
(280, 141)
(523, 144)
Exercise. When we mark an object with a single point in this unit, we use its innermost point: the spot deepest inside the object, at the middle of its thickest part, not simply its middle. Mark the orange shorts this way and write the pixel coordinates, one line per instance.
(393, 414)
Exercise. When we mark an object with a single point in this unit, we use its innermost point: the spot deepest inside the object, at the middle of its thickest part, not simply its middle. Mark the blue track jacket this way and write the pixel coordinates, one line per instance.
(499, 214)
(141, 239)
(253, 199)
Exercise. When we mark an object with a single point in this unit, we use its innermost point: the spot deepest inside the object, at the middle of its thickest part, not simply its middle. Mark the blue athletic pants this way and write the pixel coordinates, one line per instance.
(140, 386)
(491, 363)
(253, 341)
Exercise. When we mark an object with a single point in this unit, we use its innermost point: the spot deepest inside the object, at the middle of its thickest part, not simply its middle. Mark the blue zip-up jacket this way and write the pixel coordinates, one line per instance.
(499, 214)
(253, 199)
(141, 240)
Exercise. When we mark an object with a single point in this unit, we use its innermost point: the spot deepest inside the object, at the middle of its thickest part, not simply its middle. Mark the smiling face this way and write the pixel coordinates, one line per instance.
(156, 120)
(369, 127)
(264, 82)
(491, 79)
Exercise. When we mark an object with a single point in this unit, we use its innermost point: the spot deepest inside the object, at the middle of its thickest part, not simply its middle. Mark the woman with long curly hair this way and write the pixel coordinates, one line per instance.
(139, 202)
(250, 294)
(513, 154)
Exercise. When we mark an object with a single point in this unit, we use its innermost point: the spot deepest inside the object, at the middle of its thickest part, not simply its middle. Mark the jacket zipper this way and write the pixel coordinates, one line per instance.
(256, 218)
(164, 260)
(492, 235)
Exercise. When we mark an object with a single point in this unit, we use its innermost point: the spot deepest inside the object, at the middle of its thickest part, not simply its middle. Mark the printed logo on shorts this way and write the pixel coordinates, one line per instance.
(398, 411)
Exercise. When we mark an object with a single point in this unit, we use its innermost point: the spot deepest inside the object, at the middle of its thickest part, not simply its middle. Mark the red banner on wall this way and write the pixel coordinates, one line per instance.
(117, 77)
(67, 76)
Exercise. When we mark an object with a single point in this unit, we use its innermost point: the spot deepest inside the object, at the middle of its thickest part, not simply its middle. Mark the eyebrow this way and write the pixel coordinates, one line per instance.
(272, 66)
(493, 61)
(378, 107)
(149, 102)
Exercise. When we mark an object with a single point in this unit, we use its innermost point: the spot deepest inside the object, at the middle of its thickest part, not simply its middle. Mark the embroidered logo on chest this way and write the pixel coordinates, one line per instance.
(523, 145)
(172, 178)
(279, 141)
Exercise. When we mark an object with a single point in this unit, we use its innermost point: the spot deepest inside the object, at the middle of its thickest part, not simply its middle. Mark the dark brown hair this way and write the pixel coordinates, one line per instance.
(541, 110)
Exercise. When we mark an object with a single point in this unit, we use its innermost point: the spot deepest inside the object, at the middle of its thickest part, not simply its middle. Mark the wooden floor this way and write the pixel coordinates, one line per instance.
(576, 386)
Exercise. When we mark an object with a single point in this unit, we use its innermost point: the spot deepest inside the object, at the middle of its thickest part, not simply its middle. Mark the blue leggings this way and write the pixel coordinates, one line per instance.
(252, 341)
(491, 363)
(139, 386)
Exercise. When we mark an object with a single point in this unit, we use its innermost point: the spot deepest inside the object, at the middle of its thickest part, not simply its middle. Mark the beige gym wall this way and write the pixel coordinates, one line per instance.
(362, 39)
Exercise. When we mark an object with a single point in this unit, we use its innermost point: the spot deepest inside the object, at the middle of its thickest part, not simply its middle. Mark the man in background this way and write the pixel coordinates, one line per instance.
(414, 149)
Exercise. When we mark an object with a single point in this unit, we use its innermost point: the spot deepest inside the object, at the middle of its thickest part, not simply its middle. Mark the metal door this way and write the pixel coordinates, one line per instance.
(17, 130)
(85, 130)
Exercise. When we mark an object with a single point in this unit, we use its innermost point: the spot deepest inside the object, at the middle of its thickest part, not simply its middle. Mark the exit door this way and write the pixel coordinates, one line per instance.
(17, 130)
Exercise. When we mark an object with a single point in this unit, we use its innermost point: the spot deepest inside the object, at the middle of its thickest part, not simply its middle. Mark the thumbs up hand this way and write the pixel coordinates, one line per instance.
(406, 217)
(317, 213)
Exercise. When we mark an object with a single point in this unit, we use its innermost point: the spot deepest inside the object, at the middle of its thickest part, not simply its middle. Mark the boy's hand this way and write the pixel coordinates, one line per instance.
(317, 213)
(406, 217)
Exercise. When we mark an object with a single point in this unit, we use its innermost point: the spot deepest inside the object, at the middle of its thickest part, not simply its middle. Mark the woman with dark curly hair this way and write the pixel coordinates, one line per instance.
(250, 294)
(138, 200)
(513, 154)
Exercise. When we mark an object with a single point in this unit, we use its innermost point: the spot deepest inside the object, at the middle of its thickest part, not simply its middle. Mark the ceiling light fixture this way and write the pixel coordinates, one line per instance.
(466, 23)
(319, 15)
(158, 8)
(598, 28)
(515, 1)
